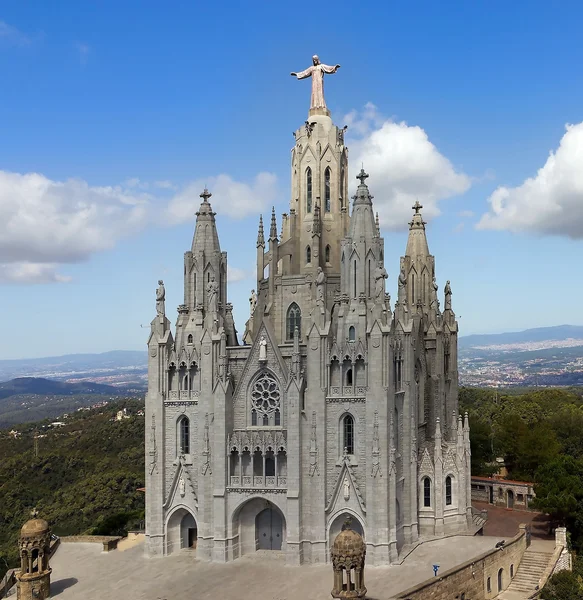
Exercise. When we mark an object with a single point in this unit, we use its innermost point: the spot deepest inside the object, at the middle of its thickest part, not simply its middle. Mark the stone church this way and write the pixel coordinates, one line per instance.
(334, 405)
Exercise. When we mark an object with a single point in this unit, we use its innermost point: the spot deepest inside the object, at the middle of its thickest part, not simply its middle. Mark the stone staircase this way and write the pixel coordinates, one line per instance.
(527, 578)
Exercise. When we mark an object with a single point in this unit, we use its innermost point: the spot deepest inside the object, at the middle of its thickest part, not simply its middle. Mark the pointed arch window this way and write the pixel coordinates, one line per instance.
(426, 492)
(190, 338)
(293, 320)
(308, 255)
(327, 189)
(351, 334)
(448, 495)
(348, 434)
(327, 253)
(184, 435)
(309, 190)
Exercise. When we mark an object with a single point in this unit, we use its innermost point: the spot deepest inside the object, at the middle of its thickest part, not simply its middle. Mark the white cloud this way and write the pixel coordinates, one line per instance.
(549, 203)
(466, 214)
(25, 272)
(229, 197)
(12, 36)
(164, 185)
(404, 166)
(45, 222)
(236, 274)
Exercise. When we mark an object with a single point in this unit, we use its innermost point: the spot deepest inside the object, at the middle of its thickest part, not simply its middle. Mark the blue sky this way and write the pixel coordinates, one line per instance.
(114, 115)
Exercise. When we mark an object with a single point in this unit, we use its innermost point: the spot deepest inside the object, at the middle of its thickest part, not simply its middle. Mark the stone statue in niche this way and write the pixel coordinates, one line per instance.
(402, 295)
(160, 299)
(263, 349)
(380, 274)
(182, 486)
(212, 291)
(346, 489)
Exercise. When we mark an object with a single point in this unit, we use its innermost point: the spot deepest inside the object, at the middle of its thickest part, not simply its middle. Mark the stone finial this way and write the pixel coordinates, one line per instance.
(362, 177)
(273, 228)
(378, 225)
(205, 195)
(260, 236)
(417, 207)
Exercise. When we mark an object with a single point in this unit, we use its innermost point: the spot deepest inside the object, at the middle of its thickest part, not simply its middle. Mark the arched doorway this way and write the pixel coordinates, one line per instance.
(500, 582)
(258, 524)
(510, 499)
(181, 531)
(338, 522)
(269, 529)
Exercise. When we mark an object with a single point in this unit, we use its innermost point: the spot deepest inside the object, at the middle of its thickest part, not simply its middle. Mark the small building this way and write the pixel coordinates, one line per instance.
(34, 578)
(503, 492)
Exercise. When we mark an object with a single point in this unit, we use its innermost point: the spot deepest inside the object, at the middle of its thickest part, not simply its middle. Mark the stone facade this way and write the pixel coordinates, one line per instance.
(335, 406)
(503, 492)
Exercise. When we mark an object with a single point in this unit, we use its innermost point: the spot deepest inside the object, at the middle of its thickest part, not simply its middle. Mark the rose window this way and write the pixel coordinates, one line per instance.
(265, 394)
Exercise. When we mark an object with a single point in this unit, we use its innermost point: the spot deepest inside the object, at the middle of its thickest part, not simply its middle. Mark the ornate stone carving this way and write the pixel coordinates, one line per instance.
(314, 470)
(206, 452)
(376, 451)
(153, 449)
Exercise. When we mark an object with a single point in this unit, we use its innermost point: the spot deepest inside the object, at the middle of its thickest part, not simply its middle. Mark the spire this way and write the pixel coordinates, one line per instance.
(260, 237)
(273, 228)
(362, 221)
(417, 242)
(205, 237)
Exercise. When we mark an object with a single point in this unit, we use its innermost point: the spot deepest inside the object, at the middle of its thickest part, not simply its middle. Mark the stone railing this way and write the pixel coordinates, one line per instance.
(175, 395)
(258, 482)
(109, 541)
(347, 391)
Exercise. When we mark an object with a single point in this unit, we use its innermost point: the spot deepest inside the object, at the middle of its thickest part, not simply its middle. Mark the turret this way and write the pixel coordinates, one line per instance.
(205, 280)
(362, 248)
(419, 266)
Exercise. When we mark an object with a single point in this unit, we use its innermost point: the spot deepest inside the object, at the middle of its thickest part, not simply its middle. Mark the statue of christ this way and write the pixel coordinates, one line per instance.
(316, 72)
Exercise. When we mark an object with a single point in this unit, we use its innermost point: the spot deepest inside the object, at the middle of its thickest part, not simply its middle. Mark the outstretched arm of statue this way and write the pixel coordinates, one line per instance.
(303, 74)
(329, 69)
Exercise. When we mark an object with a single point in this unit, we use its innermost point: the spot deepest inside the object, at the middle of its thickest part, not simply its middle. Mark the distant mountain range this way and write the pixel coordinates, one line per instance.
(119, 367)
(539, 334)
(49, 387)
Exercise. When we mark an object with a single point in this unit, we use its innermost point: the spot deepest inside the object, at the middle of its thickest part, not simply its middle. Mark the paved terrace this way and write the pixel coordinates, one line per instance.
(81, 570)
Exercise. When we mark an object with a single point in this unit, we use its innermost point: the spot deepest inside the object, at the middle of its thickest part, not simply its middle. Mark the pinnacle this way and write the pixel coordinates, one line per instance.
(205, 195)
(205, 207)
(273, 228)
(260, 236)
(362, 176)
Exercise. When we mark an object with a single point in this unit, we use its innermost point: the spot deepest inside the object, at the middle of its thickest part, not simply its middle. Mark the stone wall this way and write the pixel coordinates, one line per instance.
(109, 541)
(476, 579)
(503, 492)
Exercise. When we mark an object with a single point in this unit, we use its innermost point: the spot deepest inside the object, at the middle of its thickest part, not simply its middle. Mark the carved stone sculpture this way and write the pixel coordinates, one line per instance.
(316, 72)
(380, 274)
(212, 291)
(447, 292)
(160, 299)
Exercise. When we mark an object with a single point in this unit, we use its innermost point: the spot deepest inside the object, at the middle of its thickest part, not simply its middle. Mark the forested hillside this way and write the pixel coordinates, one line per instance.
(83, 478)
